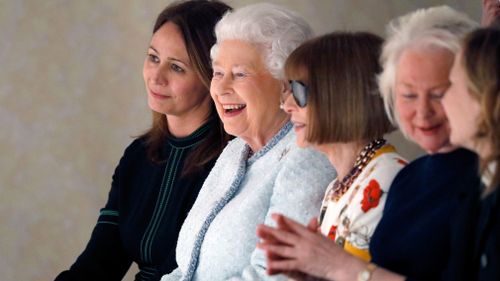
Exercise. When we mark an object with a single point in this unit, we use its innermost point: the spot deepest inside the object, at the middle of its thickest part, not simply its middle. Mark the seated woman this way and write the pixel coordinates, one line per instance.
(343, 117)
(161, 172)
(427, 194)
(262, 171)
(413, 237)
(472, 104)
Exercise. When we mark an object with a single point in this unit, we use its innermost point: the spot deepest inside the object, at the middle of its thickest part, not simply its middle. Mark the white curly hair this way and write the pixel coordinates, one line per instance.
(435, 27)
(274, 28)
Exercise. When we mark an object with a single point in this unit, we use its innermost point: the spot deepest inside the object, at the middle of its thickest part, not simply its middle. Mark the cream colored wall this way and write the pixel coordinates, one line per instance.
(71, 97)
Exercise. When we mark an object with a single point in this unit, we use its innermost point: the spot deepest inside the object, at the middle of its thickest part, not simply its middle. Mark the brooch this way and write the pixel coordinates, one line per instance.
(284, 153)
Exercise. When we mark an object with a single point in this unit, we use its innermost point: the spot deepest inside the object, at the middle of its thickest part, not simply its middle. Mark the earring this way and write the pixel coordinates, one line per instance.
(282, 105)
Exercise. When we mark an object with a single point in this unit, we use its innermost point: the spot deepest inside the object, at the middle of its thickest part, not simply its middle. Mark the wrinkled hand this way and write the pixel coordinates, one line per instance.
(298, 251)
(491, 13)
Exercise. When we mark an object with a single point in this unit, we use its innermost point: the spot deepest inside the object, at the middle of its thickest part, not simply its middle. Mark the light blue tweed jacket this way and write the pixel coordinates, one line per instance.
(218, 238)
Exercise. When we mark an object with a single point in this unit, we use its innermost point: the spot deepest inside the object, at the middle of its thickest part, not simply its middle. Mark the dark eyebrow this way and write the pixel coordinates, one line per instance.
(151, 47)
(174, 59)
(170, 58)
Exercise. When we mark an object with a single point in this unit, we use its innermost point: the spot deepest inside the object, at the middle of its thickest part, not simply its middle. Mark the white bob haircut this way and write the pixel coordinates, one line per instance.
(435, 27)
(274, 28)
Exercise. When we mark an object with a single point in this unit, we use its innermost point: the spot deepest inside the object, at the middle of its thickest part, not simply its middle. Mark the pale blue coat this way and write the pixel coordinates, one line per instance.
(218, 239)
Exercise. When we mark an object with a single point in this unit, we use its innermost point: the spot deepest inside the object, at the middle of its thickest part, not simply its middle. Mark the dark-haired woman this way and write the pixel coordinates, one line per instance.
(351, 135)
(161, 172)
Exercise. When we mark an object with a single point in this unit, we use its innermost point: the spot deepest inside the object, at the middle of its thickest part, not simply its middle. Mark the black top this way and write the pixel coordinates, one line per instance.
(478, 227)
(413, 236)
(146, 207)
(487, 243)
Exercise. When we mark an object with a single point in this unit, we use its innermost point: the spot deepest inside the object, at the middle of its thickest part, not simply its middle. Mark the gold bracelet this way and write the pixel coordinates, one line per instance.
(366, 274)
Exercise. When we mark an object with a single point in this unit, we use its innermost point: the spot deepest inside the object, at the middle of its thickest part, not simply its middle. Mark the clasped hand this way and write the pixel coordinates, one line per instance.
(299, 251)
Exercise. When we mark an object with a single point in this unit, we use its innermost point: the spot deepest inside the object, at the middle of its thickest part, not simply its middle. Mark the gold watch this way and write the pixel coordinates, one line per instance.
(366, 274)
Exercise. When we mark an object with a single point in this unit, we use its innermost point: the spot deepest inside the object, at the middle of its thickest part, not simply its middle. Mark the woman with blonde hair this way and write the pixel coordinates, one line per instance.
(472, 104)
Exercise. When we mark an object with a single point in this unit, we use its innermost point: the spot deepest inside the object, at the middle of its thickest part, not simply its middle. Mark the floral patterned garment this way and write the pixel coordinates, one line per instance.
(352, 219)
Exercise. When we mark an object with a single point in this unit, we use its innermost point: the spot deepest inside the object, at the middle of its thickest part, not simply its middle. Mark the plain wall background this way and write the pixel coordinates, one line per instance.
(71, 98)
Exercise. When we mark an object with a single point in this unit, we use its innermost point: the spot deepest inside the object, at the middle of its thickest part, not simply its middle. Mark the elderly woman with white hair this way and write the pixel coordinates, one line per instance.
(412, 240)
(413, 237)
(260, 172)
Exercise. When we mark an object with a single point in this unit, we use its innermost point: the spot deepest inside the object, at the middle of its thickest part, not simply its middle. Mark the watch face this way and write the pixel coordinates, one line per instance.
(340, 241)
(364, 275)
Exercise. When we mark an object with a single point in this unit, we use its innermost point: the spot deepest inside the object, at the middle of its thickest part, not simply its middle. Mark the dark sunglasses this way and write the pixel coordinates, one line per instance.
(299, 92)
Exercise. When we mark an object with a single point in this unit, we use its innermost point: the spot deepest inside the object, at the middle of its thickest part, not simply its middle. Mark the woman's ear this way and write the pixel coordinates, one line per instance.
(285, 86)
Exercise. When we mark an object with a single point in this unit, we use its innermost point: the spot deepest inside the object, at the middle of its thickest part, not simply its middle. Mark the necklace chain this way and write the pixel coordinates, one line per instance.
(250, 153)
(366, 154)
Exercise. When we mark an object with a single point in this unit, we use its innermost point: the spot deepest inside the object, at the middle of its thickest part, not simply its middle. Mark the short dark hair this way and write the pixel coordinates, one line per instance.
(196, 21)
(344, 102)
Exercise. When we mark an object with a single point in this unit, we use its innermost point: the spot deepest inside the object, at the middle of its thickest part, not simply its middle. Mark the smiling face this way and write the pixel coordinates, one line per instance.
(461, 108)
(246, 95)
(172, 84)
(421, 81)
